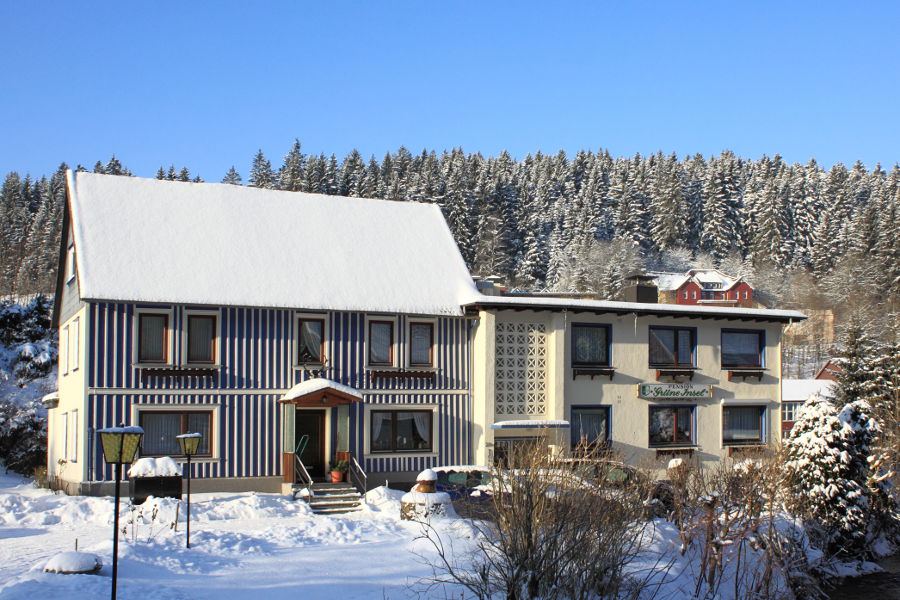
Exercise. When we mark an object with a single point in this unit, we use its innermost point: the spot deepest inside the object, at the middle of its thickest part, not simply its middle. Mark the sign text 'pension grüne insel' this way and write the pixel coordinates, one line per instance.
(673, 390)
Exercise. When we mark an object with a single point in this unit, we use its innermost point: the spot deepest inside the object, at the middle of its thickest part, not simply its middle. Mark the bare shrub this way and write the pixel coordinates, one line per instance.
(554, 535)
(747, 546)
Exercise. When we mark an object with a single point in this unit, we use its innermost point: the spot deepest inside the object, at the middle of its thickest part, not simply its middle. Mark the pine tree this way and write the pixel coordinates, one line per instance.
(261, 173)
(232, 177)
(822, 468)
(291, 174)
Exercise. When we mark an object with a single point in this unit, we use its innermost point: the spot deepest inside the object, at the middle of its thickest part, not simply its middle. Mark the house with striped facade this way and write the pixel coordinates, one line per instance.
(209, 308)
(291, 329)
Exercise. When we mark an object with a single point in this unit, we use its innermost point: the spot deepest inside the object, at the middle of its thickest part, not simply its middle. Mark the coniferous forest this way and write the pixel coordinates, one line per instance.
(802, 235)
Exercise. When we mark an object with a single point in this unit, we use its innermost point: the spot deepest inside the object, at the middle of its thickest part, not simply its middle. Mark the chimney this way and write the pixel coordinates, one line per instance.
(641, 288)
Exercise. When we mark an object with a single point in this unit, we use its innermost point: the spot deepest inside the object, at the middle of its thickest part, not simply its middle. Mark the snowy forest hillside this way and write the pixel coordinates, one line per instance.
(802, 235)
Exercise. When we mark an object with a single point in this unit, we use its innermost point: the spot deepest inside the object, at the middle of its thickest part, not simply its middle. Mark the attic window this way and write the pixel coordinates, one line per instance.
(70, 264)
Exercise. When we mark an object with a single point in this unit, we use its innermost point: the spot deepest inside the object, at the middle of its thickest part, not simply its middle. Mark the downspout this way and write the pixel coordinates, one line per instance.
(473, 324)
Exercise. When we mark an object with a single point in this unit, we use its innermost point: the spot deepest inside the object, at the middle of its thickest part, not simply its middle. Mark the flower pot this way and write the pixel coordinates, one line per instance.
(337, 477)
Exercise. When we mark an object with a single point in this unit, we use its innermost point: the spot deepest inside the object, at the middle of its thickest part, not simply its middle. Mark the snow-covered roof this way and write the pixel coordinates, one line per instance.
(317, 384)
(668, 282)
(641, 308)
(798, 390)
(148, 240)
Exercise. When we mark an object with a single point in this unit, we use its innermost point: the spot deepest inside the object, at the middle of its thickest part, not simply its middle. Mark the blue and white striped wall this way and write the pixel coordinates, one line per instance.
(256, 349)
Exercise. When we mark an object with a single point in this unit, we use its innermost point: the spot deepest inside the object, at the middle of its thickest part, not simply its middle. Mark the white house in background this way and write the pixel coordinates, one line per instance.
(795, 392)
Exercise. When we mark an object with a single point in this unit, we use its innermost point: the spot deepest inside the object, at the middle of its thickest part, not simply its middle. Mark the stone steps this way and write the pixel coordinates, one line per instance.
(332, 498)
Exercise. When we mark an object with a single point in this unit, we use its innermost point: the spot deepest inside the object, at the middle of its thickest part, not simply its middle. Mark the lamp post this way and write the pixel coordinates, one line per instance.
(120, 445)
(190, 443)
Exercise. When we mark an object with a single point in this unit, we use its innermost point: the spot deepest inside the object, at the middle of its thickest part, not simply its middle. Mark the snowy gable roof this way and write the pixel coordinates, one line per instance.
(713, 276)
(668, 282)
(147, 240)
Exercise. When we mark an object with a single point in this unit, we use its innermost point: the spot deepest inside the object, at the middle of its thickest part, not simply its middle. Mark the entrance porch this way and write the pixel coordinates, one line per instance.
(316, 433)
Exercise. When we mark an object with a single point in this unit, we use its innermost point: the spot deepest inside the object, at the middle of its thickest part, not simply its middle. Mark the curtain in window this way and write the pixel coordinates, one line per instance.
(311, 341)
(671, 425)
(741, 348)
(201, 333)
(589, 426)
(420, 343)
(381, 431)
(662, 346)
(153, 338)
(662, 426)
(159, 434)
(380, 340)
(685, 347)
(423, 426)
(743, 423)
(589, 345)
(199, 423)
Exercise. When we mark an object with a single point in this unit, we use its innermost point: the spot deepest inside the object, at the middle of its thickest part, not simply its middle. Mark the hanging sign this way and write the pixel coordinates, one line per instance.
(651, 391)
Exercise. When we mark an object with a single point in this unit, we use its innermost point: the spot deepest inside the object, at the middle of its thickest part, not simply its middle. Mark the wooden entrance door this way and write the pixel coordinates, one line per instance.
(312, 423)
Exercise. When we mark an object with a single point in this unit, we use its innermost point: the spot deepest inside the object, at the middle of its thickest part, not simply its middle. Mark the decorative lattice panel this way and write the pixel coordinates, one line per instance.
(521, 368)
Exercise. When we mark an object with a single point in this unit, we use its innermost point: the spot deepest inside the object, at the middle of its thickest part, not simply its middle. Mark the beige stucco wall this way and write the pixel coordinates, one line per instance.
(72, 401)
(629, 354)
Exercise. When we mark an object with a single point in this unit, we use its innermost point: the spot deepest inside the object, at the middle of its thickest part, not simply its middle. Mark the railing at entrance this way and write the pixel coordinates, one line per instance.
(302, 443)
(301, 475)
(357, 476)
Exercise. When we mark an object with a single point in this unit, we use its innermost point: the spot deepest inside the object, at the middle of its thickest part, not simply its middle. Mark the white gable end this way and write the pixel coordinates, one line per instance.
(146, 240)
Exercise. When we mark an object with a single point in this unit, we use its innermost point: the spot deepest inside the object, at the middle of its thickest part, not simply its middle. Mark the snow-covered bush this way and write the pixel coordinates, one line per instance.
(23, 436)
(27, 356)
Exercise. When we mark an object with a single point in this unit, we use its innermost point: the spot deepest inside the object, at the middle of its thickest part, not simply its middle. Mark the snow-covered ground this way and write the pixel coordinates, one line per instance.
(248, 545)
(242, 546)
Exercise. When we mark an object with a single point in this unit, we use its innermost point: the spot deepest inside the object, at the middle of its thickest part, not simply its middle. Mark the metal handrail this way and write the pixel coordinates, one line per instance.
(301, 475)
(302, 443)
(358, 477)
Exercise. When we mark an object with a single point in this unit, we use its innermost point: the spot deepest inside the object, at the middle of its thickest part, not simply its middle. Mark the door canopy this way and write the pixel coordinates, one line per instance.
(320, 392)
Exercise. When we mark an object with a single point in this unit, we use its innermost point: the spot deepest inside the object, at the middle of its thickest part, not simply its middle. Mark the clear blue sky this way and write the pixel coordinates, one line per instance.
(207, 84)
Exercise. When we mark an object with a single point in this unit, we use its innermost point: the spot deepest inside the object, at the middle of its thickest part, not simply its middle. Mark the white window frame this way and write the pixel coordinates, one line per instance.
(195, 312)
(395, 343)
(64, 350)
(65, 435)
(794, 407)
(136, 346)
(72, 452)
(434, 333)
(70, 263)
(326, 341)
(214, 450)
(367, 431)
(75, 347)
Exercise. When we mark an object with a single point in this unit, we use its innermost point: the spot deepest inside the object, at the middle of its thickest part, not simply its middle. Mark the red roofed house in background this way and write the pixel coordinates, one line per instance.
(705, 287)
